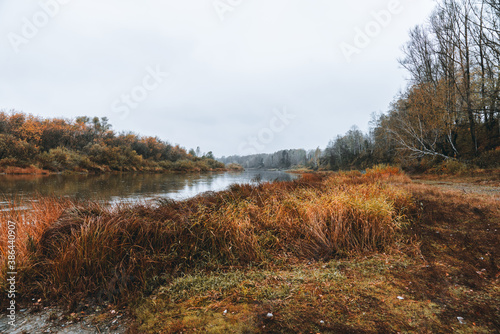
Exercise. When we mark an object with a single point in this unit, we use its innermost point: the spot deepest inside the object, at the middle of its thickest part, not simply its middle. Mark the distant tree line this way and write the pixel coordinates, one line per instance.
(88, 145)
(352, 150)
(283, 159)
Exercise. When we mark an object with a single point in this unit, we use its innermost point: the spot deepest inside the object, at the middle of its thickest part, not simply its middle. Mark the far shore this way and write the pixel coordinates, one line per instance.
(39, 171)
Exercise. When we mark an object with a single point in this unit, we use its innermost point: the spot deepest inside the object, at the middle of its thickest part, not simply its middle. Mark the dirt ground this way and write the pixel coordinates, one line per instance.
(488, 184)
(53, 320)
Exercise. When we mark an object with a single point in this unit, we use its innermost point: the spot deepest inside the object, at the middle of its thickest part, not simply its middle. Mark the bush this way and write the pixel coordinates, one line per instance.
(489, 159)
(61, 158)
(22, 151)
(450, 167)
(185, 166)
(381, 171)
(235, 167)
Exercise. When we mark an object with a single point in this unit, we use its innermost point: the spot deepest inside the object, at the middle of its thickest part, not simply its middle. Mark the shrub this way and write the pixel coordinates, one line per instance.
(235, 167)
(382, 172)
(450, 167)
(12, 147)
(61, 158)
(184, 166)
(489, 159)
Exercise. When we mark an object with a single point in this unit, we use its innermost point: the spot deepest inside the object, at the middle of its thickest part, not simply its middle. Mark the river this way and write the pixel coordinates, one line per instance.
(126, 187)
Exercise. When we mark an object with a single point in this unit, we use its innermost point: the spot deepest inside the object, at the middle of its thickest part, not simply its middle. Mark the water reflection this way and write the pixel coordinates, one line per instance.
(126, 187)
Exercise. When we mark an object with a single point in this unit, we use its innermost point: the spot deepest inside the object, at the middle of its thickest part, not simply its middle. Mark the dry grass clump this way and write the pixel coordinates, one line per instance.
(76, 250)
(21, 170)
(31, 220)
(446, 268)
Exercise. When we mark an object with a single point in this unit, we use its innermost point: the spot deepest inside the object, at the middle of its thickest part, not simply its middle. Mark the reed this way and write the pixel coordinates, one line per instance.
(74, 250)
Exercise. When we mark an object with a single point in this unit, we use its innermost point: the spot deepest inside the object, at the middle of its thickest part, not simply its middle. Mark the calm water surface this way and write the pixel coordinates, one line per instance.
(116, 188)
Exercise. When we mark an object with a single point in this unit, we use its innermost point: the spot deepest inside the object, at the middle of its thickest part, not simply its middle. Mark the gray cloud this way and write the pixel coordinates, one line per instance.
(226, 77)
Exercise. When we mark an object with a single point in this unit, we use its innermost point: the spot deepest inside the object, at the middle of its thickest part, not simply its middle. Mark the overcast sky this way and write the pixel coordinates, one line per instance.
(230, 76)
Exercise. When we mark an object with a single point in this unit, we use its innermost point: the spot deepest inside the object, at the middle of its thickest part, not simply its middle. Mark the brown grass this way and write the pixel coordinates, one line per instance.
(31, 219)
(77, 250)
(444, 266)
(21, 171)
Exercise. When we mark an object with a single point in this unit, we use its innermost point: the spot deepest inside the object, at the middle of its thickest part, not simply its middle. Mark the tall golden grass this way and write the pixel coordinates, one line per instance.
(75, 250)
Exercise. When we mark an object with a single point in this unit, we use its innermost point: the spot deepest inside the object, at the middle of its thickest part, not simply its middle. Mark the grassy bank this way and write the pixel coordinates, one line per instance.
(180, 166)
(326, 253)
(441, 275)
(73, 250)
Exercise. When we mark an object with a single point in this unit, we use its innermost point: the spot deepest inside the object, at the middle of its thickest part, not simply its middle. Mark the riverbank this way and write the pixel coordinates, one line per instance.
(181, 169)
(440, 276)
(418, 257)
(10, 170)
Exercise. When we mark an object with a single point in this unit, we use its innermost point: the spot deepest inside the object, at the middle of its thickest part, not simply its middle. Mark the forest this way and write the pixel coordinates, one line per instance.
(449, 113)
(451, 108)
(89, 145)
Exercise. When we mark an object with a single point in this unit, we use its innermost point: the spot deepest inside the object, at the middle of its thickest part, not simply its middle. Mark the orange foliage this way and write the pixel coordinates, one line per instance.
(86, 144)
